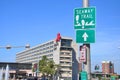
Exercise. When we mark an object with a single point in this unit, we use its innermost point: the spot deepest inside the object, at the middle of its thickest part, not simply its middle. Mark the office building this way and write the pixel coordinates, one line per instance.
(63, 51)
(107, 67)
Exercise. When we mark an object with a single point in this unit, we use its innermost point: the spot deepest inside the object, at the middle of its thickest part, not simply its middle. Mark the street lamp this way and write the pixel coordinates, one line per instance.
(27, 46)
(9, 46)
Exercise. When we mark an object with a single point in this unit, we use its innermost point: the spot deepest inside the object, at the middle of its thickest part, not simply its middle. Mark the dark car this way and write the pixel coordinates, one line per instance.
(32, 78)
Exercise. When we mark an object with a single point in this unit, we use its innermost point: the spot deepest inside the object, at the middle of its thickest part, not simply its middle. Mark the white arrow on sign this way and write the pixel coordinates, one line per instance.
(85, 36)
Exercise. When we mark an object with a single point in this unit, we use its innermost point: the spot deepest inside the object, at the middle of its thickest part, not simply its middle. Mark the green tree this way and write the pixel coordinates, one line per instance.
(47, 67)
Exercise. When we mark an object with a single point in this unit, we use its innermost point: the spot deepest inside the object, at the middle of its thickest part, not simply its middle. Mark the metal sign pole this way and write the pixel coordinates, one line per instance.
(87, 65)
(85, 3)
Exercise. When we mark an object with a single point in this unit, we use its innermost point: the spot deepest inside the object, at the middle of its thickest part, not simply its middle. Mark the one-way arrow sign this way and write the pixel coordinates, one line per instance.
(85, 36)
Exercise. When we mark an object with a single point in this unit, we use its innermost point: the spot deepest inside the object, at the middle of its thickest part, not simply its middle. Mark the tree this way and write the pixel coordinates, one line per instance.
(47, 67)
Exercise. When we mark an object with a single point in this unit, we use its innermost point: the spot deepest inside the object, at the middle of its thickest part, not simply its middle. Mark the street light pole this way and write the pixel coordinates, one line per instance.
(9, 47)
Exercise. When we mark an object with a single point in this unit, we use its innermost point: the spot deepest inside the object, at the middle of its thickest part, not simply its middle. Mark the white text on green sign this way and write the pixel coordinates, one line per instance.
(84, 18)
(85, 36)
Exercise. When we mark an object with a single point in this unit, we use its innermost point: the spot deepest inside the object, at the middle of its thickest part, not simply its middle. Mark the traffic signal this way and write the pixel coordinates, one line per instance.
(97, 67)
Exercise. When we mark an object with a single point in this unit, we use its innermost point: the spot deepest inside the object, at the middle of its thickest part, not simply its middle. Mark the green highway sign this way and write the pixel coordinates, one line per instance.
(85, 36)
(112, 78)
(84, 75)
(84, 18)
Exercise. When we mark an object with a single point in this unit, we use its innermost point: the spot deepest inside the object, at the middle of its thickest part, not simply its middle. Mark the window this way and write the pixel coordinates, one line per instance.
(66, 42)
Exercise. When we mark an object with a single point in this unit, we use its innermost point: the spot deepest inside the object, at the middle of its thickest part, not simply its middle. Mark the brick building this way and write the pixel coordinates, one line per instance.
(107, 67)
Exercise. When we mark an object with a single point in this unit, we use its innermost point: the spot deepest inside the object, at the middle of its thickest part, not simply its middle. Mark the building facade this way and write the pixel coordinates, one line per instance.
(107, 67)
(16, 70)
(63, 52)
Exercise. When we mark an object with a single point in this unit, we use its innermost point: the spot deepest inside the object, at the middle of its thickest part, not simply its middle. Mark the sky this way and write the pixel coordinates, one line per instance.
(36, 21)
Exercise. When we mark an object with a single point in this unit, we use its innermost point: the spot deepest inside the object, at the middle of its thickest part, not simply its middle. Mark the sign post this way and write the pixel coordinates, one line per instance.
(84, 23)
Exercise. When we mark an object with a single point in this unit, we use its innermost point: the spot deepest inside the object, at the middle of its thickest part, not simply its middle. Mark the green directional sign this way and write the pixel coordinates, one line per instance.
(85, 36)
(84, 75)
(112, 78)
(84, 18)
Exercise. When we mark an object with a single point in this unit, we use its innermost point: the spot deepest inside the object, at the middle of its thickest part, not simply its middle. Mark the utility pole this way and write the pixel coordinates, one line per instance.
(87, 65)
